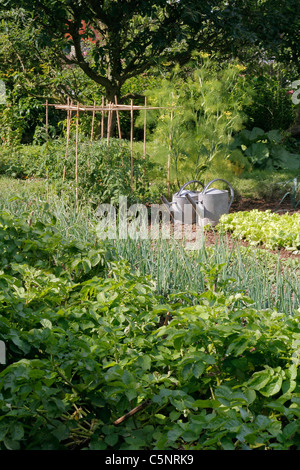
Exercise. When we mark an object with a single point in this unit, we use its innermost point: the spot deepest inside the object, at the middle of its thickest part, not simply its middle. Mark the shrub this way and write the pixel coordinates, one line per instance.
(265, 150)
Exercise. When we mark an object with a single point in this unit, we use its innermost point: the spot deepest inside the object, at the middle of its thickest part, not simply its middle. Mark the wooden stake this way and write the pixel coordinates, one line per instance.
(102, 119)
(145, 135)
(131, 143)
(93, 121)
(169, 156)
(109, 121)
(76, 154)
(119, 130)
(47, 139)
(47, 185)
(145, 127)
(69, 112)
(118, 119)
(132, 412)
(47, 130)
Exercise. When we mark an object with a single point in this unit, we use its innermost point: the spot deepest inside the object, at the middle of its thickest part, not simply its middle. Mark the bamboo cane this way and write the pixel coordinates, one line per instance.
(119, 131)
(145, 135)
(169, 156)
(109, 121)
(68, 136)
(145, 127)
(47, 138)
(47, 129)
(132, 412)
(93, 121)
(131, 143)
(118, 119)
(47, 185)
(102, 119)
(76, 154)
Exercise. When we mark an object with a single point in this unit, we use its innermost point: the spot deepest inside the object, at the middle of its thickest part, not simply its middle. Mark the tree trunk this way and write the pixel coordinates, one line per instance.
(112, 93)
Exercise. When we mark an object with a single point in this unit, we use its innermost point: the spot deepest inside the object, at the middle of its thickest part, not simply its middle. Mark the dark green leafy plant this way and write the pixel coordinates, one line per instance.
(272, 107)
(88, 341)
(264, 150)
(104, 173)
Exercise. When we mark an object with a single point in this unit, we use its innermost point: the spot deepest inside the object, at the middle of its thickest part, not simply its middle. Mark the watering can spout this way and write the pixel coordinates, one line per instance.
(180, 209)
(198, 207)
(168, 205)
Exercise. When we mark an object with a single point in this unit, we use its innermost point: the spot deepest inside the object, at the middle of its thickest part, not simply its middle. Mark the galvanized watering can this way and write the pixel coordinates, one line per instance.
(211, 203)
(180, 208)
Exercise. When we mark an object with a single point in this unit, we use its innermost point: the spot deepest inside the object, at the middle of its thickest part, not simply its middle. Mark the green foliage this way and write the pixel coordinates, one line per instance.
(201, 112)
(145, 34)
(272, 106)
(104, 173)
(292, 192)
(265, 150)
(12, 126)
(180, 273)
(268, 228)
(88, 340)
(32, 74)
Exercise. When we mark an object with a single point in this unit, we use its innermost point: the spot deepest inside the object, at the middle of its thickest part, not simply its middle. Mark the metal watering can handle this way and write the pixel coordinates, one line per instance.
(193, 181)
(231, 189)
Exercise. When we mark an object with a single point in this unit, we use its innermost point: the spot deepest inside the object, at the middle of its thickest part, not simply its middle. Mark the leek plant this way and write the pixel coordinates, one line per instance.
(262, 276)
(268, 281)
(292, 192)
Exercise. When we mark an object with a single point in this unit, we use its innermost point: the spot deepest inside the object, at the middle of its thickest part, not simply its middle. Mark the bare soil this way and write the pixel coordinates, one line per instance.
(246, 204)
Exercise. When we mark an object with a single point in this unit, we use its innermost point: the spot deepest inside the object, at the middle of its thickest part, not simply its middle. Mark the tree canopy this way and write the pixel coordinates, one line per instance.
(112, 41)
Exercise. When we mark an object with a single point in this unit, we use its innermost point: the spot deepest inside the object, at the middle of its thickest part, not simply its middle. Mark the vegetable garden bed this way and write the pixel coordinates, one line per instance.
(266, 228)
(120, 346)
(89, 341)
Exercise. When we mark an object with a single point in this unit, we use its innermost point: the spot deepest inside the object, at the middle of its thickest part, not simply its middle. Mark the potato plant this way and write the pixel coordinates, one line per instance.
(89, 341)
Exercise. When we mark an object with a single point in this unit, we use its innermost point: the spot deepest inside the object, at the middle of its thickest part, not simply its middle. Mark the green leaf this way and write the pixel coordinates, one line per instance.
(206, 403)
(174, 434)
(288, 386)
(46, 323)
(111, 439)
(198, 369)
(256, 133)
(259, 379)
(17, 432)
(86, 264)
(97, 445)
(273, 386)
(290, 429)
(11, 444)
(127, 377)
(61, 432)
(144, 362)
